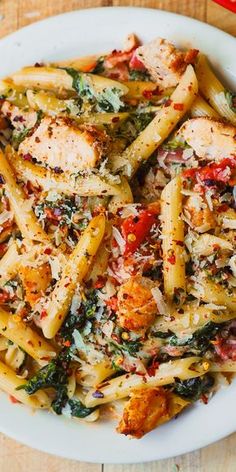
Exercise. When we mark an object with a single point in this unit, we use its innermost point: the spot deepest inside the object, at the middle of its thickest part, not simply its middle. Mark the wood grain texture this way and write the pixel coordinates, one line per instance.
(14, 457)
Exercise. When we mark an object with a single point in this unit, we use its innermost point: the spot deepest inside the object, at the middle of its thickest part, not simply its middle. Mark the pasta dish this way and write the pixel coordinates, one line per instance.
(117, 235)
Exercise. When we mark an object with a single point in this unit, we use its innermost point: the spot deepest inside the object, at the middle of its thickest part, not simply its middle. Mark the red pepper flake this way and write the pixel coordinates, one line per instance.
(115, 119)
(171, 259)
(147, 94)
(43, 314)
(100, 282)
(67, 343)
(179, 243)
(27, 157)
(222, 208)
(112, 303)
(204, 398)
(178, 106)
(151, 370)
(48, 251)
(168, 102)
(13, 399)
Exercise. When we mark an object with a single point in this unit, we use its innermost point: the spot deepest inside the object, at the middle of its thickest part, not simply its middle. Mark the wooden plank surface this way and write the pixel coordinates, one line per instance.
(14, 457)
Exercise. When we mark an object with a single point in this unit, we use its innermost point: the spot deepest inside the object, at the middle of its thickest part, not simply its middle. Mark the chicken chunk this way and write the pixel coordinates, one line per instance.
(143, 411)
(35, 281)
(20, 119)
(209, 138)
(164, 62)
(58, 142)
(149, 408)
(137, 308)
(199, 214)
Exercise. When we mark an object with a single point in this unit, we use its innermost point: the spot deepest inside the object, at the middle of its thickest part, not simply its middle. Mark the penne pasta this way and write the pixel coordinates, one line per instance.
(123, 198)
(192, 318)
(24, 215)
(223, 366)
(210, 292)
(51, 78)
(9, 263)
(120, 387)
(201, 108)
(160, 127)
(145, 90)
(14, 329)
(173, 239)
(213, 90)
(53, 106)
(90, 185)
(73, 273)
(10, 382)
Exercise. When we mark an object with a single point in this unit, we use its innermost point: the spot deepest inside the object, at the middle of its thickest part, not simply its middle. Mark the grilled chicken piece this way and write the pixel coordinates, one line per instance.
(148, 408)
(35, 281)
(143, 411)
(19, 118)
(58, 142)
(209, 138)
(199, 214)
(164, 62)
(137, 308)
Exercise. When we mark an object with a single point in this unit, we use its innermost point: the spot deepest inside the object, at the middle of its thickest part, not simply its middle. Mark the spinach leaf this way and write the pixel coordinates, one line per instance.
(194, 388)
(18, 137)
(174, 144)
(53, 375)
(133, 126)
(231, 99)
(108, 100)
(78, 409)
(139, 75)
(200, 340)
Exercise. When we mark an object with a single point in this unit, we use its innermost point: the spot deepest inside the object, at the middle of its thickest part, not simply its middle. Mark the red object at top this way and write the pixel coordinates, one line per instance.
(229, 4)
(136, 228)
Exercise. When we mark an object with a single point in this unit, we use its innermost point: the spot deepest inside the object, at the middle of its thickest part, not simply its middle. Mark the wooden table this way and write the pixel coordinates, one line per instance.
(220, 457)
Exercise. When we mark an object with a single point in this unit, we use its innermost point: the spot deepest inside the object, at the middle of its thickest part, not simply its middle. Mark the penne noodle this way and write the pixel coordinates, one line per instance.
(122, 386)
(9, 263)
(160, 127)
(51, 78)
(82, 64)
(223, 366)
(144, 91)
(173, 239)
(193, 318)
(201, 108)
(213, 90)
(90, 185)
(123, 198)
(13, 328)
(73, 273)
(210, 292)
(10, 382)
(53, 106)
(14, 94)
(24, 215)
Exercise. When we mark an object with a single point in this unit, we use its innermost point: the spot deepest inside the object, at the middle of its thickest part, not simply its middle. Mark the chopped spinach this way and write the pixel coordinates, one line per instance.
(192, 389)
(174, 144)
(162, 334)
(108, 100)
(99, 68)
(133, 126)
(18, 137)
(131, 347)
(78, 409)
(139, 75)
(200, 340)
(231, 99)
(53, 375)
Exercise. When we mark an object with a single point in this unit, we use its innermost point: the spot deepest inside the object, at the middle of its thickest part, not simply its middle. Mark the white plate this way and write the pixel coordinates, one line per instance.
(74, 34)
